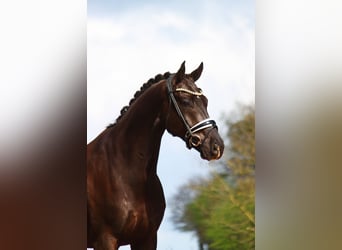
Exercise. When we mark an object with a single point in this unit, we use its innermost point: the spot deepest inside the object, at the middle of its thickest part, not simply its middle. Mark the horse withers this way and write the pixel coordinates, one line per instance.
(125, 197)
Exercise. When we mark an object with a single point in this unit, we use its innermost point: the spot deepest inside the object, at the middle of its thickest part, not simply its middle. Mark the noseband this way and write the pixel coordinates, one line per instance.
(192, 140)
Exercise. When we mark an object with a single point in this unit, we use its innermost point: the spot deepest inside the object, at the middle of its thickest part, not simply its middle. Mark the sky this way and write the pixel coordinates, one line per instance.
(129, 42)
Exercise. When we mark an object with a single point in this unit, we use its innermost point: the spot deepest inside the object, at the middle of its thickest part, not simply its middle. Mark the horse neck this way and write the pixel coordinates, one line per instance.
(142, 127)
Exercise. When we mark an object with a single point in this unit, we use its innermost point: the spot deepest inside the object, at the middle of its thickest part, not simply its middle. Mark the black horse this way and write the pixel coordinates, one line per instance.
(125, 197)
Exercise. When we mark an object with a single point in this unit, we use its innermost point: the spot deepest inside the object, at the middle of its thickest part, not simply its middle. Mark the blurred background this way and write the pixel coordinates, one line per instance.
(44, 127)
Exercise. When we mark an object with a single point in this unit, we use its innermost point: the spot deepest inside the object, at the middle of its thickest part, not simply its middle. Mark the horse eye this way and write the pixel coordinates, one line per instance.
(185, 101)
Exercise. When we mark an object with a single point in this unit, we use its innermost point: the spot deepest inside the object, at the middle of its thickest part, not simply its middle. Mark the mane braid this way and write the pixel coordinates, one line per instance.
(143, 88)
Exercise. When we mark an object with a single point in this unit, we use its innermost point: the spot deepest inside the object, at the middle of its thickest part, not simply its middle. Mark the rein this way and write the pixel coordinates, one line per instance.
(192, 140)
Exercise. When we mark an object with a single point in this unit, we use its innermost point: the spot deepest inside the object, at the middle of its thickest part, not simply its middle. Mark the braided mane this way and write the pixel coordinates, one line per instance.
(143, 88)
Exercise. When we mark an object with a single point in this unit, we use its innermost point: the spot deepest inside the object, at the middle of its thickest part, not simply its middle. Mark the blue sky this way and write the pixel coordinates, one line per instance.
(192, 8)
(130, 42)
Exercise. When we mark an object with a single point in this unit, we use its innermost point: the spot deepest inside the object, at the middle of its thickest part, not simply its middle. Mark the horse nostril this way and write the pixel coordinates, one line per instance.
(216, 150)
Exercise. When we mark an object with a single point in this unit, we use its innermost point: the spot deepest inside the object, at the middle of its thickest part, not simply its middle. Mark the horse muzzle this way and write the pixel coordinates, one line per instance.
(208, 142)
(212, 148)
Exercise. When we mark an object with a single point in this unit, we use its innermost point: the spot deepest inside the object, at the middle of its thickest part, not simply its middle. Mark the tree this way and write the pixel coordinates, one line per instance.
(220, 208)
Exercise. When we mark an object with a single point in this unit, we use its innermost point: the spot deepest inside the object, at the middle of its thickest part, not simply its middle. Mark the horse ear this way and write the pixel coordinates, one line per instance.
(197, 72)
(180, 73)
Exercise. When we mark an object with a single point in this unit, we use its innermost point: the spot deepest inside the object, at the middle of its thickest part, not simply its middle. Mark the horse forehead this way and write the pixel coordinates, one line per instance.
(190, 84)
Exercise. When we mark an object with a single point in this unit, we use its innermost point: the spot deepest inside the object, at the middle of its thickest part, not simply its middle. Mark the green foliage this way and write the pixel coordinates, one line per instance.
(220, 209)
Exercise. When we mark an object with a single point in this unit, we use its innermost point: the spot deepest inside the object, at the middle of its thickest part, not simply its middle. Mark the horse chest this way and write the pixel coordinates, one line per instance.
(136, 219)
(139, 220)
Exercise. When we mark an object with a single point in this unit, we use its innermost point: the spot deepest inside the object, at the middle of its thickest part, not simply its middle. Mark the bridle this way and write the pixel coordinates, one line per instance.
(191, 138)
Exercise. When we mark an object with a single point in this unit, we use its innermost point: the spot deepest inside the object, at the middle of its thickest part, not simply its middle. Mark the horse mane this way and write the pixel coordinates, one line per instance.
(143, 88)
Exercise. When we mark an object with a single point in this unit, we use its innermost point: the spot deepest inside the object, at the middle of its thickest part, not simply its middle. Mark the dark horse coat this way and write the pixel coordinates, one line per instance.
(125, 197)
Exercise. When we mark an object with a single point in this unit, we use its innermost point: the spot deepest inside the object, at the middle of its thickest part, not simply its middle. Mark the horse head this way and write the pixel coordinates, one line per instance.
(187, 115)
